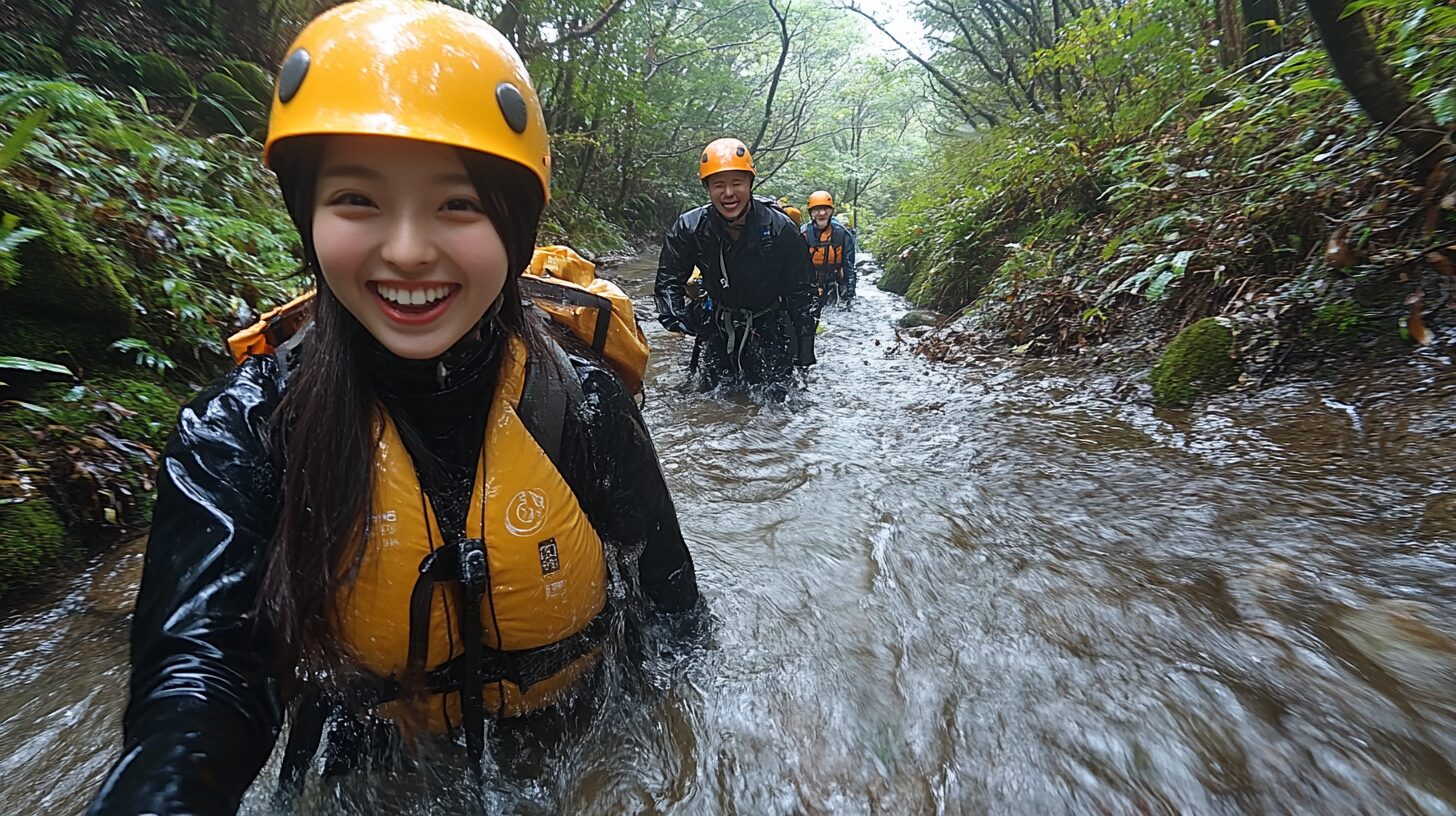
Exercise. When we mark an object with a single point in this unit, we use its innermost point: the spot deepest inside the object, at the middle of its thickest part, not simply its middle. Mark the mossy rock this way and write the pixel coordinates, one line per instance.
(160, 75)
(1198, 362)
(154, 409)
(256, 81)
(31, 535)
(920, 317)
(224, 93)
(67, 296)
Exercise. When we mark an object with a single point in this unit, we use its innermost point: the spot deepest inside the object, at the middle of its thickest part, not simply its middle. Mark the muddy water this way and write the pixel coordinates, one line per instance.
(1007, 589)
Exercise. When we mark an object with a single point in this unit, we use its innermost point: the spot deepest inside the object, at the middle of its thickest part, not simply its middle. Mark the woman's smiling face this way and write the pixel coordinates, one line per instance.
(403, 242)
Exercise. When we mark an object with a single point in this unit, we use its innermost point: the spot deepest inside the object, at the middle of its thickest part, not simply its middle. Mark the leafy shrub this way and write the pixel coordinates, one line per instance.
(193, 226)
(193, 46)
(31, 58)
(162, 76)
(255, 80)
(229, 108)
(102, 59)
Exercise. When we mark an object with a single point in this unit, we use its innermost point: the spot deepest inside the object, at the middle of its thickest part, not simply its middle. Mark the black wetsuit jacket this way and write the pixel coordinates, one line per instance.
(205, 710)
(766, 267)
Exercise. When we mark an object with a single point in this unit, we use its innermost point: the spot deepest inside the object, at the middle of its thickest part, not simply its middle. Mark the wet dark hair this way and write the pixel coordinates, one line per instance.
(327, 422)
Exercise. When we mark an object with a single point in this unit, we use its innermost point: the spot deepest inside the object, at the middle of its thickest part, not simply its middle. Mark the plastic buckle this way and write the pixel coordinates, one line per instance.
(473, 568)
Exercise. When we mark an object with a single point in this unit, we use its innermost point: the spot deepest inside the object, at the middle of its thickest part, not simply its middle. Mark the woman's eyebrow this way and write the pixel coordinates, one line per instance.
(350, 170)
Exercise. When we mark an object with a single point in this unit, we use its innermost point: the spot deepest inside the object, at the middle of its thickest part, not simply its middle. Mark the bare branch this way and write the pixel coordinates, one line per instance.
(783, 18)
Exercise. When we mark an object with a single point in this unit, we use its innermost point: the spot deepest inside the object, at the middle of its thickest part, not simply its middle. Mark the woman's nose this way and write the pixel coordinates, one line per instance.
(409, 246)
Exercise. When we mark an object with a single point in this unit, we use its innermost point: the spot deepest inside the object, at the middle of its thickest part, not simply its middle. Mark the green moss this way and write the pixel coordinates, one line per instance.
(31, 534)
(256, 81)
(154, 408)
(1337, 320)
(225, 94)
(67, 296)
(898, 278)
(1196, 363)
(162, 76)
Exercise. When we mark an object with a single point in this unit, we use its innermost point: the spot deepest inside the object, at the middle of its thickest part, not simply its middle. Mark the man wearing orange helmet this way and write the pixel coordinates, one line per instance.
(831, 250)
(758, 320)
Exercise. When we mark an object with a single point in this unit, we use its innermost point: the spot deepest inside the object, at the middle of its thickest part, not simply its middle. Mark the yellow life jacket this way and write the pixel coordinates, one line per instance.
(545, 577)
(560, 281)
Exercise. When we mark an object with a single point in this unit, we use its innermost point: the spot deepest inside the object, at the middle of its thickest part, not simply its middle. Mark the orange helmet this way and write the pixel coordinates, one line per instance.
(821, 198)
(794, 215)
(725, 154)
(412, 69)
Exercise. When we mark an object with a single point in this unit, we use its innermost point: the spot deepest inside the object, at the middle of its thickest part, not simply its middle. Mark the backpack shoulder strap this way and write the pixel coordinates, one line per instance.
(549, 391)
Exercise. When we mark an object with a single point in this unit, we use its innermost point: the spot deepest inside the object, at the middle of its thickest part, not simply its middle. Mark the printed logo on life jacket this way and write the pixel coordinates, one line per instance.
(550, 558)
(386, 528)
(526, 513)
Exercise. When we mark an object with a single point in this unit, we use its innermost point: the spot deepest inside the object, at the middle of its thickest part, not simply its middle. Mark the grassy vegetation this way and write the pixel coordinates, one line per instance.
(1263, 194)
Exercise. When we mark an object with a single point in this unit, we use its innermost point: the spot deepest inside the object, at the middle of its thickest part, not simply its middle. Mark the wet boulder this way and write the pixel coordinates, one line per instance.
(1198, 362)
(920, 317)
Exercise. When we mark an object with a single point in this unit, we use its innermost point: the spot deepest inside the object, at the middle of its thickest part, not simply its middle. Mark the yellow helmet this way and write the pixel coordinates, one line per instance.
(820, 198)
(725, 154)
(794, 215)
(412, 69)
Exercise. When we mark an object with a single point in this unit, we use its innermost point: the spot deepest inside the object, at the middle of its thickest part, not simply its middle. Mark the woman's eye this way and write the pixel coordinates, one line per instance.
(351, 200)
(462, 204)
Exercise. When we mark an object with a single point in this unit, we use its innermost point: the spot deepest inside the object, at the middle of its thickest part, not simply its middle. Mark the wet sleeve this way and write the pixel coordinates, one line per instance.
(635, 506)
(203, 711)
(796, 275)
(851, 276)
(674, 266)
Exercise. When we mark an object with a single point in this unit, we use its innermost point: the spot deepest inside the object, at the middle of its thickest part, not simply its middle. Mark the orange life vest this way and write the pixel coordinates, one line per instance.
(825, 253)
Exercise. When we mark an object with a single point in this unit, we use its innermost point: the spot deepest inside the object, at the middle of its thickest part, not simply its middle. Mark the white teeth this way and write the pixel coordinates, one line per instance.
(412, 297)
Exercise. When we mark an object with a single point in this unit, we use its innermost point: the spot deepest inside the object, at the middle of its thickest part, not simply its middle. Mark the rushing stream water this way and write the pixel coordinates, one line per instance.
(1006, 589)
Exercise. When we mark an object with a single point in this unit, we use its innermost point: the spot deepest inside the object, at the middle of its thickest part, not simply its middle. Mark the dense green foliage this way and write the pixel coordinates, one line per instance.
(1167, 182)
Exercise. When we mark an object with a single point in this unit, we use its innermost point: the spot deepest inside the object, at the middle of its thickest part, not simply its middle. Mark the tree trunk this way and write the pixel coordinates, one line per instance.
(1263, 25)
(1384, 97)
(1230, 34)
(73, 23)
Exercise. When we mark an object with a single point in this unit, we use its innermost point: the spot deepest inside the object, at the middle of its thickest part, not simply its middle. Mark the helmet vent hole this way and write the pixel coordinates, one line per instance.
(512, 105)
(739, 152)
(290, 78)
